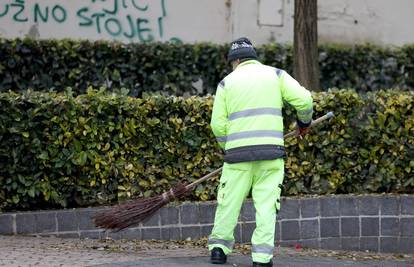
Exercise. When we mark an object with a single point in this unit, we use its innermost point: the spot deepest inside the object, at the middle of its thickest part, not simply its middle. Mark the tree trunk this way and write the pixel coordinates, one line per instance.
(305, 47)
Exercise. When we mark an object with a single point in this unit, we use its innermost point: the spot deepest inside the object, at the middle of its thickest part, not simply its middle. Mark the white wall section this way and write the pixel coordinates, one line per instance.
(381, 22)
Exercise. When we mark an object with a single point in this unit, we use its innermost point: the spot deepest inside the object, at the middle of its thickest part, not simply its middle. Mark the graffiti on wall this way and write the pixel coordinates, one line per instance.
(130, 19)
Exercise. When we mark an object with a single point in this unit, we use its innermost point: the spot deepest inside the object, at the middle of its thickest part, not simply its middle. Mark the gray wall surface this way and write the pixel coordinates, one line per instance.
(380, 223)
(381, 22)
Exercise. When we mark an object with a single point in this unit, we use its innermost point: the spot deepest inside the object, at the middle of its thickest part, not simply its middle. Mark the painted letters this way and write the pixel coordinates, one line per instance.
(130, 19)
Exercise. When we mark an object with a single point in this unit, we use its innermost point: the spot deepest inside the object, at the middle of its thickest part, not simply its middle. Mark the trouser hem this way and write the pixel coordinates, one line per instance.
(261, 257)
(225, 249)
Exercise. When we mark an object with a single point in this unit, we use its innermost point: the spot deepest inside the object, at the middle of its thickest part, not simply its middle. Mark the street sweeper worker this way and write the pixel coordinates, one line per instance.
(248, 124)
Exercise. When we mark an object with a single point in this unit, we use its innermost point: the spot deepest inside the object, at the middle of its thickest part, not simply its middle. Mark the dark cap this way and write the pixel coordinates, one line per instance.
(241, 48)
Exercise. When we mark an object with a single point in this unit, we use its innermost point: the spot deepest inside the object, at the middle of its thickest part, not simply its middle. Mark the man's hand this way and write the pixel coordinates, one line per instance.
(302, 131)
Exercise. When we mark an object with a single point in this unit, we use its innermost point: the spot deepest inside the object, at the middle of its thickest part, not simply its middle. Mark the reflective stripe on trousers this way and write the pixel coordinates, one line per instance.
(227, 243)
(263, 248)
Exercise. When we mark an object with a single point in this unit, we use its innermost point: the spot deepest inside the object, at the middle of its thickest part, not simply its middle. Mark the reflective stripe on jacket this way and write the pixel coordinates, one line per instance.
(247, 113)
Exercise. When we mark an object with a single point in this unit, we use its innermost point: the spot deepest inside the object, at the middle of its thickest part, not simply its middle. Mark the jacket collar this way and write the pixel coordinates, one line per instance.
(249, 62)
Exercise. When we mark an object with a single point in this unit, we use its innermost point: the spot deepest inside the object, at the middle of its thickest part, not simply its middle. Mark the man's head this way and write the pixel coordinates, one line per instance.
(240, 50)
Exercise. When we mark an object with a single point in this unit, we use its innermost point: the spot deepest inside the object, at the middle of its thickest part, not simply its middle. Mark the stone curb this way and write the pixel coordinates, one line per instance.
(378, 223)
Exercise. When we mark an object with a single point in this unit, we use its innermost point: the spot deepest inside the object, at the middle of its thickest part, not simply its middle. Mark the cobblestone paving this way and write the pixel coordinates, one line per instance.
(49, 252)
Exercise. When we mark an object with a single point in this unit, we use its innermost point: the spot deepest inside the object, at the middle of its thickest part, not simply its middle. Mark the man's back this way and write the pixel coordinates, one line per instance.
(248, 106)
(253, 99)
(251, 85)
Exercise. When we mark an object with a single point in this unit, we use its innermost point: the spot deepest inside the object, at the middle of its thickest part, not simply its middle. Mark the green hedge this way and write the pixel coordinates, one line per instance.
(174, 68)
(57, 150)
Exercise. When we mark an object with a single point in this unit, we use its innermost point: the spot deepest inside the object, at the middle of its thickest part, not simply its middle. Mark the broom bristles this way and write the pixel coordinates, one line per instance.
(136, 211)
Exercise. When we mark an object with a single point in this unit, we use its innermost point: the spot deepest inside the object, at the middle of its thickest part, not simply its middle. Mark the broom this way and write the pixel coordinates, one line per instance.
(136, 211)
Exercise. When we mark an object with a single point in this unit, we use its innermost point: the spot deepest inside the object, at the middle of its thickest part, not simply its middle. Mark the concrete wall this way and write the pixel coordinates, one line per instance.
(382, 223)
(346, 21)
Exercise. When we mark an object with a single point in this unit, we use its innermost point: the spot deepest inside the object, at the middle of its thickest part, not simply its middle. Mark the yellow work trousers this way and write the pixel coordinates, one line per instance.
(263, 178)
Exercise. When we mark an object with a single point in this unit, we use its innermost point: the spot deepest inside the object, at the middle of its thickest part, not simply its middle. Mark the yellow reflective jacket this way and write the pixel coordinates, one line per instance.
(247, 113)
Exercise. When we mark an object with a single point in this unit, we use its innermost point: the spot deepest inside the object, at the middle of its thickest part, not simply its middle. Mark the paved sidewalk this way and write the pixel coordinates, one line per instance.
(50, 252)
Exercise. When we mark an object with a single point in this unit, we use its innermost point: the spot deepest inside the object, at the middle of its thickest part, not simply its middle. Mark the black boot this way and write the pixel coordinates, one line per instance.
(218, 256)
(259, 264)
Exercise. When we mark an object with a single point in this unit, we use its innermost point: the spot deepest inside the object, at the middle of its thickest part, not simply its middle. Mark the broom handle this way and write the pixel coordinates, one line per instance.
(292, 133)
